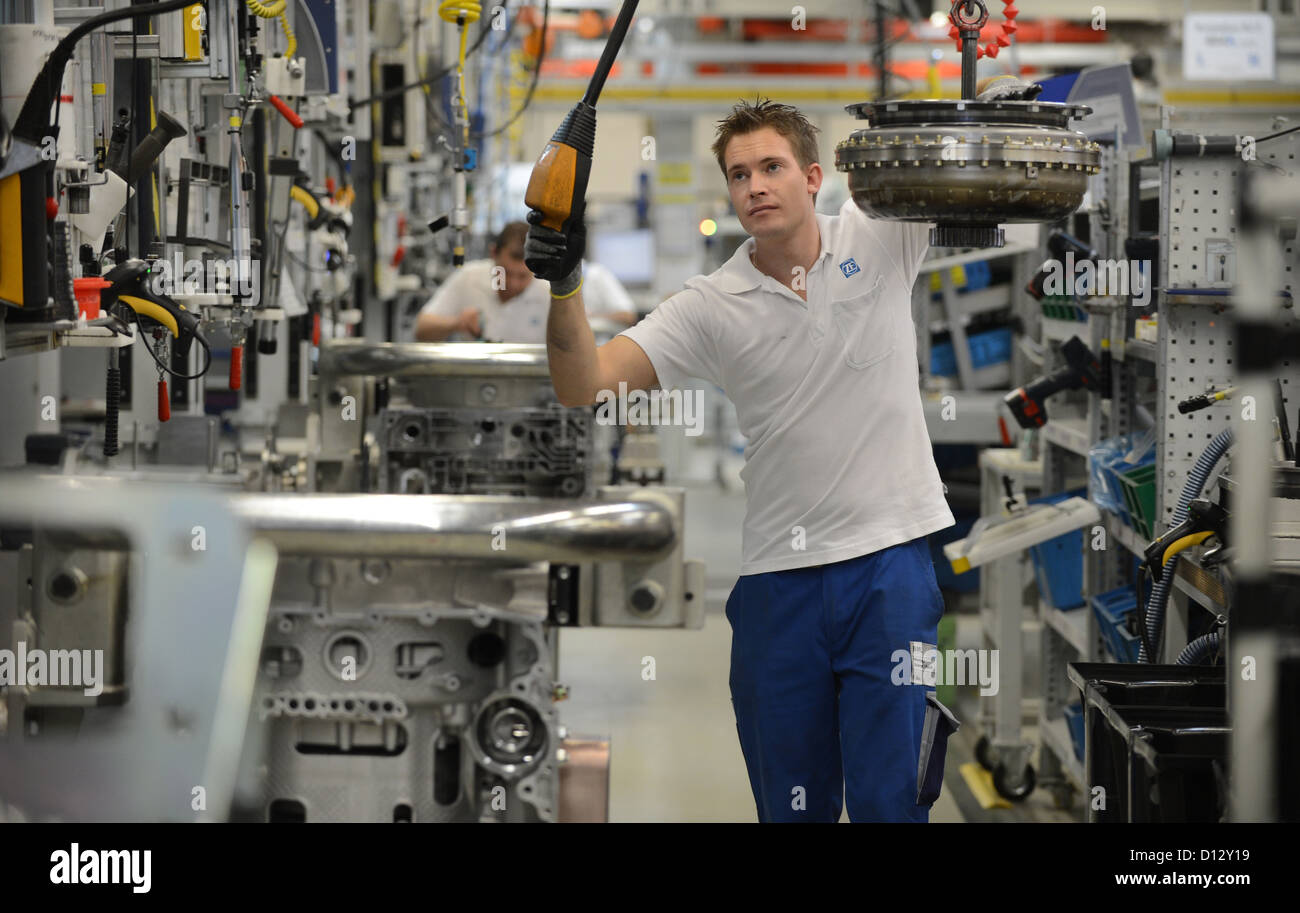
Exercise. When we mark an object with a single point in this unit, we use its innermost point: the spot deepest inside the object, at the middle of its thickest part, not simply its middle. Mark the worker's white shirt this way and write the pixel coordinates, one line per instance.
(838, 457)
(522, 318)
(602, 293)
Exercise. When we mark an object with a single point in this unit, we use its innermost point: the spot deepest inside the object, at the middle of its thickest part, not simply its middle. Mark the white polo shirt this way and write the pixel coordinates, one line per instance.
(523, 318)
(838, 461)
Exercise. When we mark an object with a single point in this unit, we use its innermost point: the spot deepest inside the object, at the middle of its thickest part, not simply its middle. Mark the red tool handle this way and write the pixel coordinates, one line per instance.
(164, 401)
(236, 367)
(289, 114)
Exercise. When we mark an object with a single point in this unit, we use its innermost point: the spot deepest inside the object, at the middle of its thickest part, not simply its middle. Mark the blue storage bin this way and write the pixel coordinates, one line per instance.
(1074, 720)
(988, 348)
(970, 277)
(1113, 609)
(1058, 567)
(943, 360)
(978, 275)
(1104, 489)
(1105, 465)
(1058, 563)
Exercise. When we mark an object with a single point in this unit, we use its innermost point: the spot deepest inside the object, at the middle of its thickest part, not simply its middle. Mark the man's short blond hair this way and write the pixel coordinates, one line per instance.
(784, 119)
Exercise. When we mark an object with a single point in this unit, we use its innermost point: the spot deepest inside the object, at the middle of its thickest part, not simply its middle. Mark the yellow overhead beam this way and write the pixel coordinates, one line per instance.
(564, 92)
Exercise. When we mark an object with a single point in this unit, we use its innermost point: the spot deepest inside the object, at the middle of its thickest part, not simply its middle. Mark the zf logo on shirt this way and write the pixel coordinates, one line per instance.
(849, 267)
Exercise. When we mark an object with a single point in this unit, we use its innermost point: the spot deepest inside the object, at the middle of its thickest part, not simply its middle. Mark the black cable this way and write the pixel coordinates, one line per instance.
(402, 90)
(1142, 618)
(135, 70)
(144, 337)
(336, 156)
(532, 88)
(304, 264)
(58, 109)
(505, 40)
(432, 110)
(277, 263)
(613, 44)
(1276, 135)
(35, 114)
(428, 80)
(537, 72)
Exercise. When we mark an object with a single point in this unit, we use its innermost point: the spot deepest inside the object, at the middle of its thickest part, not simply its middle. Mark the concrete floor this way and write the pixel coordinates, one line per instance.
(674, 750)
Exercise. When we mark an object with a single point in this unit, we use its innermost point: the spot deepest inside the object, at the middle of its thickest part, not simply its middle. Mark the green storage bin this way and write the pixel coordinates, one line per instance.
(1139, 489)
(1062, 307)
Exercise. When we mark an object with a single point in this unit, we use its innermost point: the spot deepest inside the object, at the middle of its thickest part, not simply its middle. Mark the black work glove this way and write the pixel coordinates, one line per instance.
(556, 256)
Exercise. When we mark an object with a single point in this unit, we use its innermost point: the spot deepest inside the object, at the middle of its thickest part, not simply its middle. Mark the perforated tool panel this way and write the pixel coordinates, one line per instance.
(1198, 229)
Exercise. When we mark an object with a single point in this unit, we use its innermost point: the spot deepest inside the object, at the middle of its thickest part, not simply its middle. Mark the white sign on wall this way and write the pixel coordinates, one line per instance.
(1228, 46)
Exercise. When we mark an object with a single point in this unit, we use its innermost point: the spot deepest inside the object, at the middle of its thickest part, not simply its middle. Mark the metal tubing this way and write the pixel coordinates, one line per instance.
(477, 527)
(240, 231)
(449, 526)
(342, 358)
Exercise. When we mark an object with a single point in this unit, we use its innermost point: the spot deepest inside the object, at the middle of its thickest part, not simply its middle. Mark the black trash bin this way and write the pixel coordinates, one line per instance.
(1153, 735)
(1175, 771)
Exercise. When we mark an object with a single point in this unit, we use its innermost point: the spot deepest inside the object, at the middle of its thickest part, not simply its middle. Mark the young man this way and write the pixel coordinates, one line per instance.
(808, 329)
(497, 300)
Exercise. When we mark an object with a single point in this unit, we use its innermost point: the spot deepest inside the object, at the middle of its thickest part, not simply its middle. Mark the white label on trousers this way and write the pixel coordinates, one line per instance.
(925, 663)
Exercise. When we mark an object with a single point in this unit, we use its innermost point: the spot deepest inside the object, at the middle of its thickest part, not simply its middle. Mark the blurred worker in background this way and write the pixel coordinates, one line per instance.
(498, 300)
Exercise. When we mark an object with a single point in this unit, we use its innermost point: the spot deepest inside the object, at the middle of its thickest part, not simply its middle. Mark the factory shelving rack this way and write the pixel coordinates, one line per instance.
(1194, 352)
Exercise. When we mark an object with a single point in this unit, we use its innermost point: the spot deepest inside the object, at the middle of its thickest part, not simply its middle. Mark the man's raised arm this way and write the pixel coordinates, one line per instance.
(579, 369)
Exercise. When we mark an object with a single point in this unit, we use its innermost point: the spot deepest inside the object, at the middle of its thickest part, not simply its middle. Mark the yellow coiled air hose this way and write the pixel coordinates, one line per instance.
(462, 13)
(276, 10)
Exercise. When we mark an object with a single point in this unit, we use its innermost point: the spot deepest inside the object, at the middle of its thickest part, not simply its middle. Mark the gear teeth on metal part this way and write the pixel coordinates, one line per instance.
(978, 236)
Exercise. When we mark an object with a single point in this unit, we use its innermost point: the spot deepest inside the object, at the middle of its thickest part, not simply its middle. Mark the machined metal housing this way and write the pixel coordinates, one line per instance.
(967, 165)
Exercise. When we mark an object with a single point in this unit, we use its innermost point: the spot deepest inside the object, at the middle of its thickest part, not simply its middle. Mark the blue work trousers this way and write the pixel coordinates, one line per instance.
(827, 705)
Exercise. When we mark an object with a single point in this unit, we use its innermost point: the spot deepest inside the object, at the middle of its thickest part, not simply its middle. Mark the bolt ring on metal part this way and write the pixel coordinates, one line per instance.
(962, 9)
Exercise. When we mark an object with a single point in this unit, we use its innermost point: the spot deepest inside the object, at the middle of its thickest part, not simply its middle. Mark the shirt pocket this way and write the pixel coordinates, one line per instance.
(866, 324)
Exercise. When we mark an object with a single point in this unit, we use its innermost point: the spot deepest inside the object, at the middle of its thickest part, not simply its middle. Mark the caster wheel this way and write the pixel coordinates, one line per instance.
(983, 754)
(1018, 792)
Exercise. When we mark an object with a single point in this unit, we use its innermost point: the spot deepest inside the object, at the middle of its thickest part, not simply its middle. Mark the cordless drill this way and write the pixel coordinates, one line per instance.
(1082, 370)
(1059, 244)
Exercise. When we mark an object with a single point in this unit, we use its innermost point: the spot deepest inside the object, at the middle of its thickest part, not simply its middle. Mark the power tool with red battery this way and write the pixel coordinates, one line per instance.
(1082, 371)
